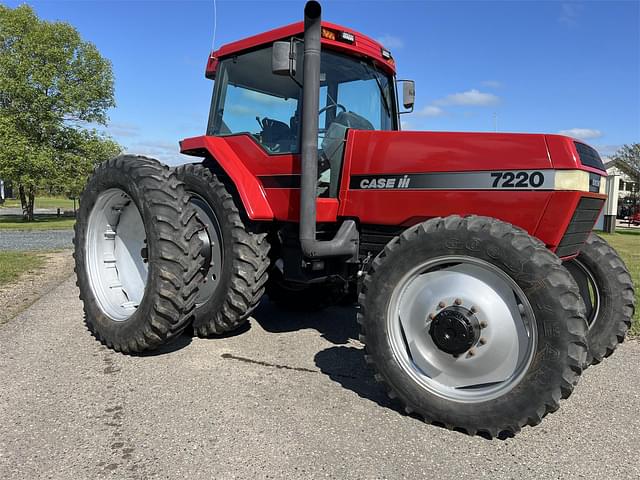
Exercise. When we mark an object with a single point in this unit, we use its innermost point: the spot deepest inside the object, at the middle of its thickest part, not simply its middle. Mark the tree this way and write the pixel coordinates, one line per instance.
(52, 84)
(627, 159)
(629, 155)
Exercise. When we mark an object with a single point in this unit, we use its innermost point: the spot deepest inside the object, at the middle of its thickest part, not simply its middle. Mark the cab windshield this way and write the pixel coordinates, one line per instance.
(249, 98)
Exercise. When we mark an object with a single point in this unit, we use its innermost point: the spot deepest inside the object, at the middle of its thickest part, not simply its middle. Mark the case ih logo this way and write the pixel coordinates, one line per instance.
(388, 182)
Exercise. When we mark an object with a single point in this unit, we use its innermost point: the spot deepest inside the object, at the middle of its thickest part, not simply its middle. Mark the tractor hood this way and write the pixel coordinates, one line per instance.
(378, 152)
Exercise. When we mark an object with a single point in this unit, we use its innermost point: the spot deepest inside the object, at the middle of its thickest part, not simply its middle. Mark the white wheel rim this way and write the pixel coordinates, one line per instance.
(115, 243)
(505, 344)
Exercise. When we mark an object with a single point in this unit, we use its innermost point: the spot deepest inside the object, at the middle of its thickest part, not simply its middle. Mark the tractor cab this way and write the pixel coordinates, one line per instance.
(258, 93)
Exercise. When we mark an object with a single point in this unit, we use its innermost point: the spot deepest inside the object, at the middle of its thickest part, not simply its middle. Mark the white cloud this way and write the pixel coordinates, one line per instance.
(406, 125)
(581, 133)
(167, 152)
(569, 13)
(123, 129)
(390, 42)
(265, 99)
(606, 151)
(471, 97)
(430, 111)
(492, 84)
(242, 110)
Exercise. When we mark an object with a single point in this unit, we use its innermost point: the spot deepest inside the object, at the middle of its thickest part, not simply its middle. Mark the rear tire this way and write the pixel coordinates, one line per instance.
(236, 287)
(449, 388)
(607, 290)
(137, 254)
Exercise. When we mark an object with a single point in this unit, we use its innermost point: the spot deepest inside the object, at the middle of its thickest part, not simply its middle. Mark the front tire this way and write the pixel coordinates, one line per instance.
(473, 325)
(137, 254)
(607, 290)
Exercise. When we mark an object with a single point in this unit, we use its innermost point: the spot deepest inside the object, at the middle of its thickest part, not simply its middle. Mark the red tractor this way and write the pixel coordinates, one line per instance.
(482, 292)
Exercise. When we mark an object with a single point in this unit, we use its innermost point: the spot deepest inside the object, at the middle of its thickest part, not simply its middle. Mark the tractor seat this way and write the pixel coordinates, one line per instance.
(333, 144)
(276, 134)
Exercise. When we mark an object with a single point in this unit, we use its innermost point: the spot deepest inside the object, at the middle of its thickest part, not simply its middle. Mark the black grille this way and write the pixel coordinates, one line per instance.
(589, 156)
(580, 226)
(373, 238)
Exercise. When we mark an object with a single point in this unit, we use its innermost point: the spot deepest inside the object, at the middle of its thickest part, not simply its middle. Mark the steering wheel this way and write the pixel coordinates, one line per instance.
(334, 105)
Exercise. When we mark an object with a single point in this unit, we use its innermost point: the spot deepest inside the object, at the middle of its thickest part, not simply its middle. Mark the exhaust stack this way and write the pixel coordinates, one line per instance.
(345, 241)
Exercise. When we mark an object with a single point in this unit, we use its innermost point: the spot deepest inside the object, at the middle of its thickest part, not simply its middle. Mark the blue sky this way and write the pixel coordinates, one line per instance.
(532, 66)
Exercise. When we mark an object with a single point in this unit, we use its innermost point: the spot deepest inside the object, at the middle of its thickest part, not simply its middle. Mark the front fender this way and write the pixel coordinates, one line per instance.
(249, 188)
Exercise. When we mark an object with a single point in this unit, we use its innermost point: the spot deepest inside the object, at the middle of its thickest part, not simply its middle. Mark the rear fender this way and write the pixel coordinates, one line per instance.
(249, 189)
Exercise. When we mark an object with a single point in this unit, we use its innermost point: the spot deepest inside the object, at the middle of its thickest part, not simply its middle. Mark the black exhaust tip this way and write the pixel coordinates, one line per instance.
(312, 9)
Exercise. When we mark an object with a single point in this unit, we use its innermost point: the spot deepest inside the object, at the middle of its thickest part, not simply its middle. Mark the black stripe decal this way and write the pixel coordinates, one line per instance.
(481, 180)
(280, 181)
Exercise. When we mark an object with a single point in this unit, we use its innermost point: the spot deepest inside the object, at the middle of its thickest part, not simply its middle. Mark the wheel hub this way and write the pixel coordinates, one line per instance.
(455, 330)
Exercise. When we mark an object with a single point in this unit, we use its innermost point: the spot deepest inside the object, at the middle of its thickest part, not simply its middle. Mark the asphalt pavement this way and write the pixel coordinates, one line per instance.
(290, 397)
(35, 239)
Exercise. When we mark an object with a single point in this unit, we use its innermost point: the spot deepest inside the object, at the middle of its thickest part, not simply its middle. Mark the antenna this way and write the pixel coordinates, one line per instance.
(215, 25)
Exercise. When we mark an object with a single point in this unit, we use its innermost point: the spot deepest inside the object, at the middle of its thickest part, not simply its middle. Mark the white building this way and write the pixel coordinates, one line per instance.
(629, 188)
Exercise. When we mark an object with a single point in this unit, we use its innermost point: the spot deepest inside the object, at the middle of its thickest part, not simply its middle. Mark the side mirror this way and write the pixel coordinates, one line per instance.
(408, 94)
(283, 58)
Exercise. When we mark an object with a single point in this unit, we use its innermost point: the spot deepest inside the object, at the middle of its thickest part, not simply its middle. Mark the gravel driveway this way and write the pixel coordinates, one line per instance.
(35, 239)
(288, 398)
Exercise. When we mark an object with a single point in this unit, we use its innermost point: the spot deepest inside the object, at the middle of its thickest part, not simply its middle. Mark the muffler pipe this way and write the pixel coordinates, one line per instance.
(345, 241)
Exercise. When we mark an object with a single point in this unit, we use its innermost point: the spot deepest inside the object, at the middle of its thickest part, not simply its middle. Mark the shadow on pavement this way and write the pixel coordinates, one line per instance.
(177, 344)
(343, 364)
(335, 324)
(346, 366)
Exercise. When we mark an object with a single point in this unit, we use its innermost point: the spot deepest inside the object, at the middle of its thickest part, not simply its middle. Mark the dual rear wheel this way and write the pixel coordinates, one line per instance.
(157, 250)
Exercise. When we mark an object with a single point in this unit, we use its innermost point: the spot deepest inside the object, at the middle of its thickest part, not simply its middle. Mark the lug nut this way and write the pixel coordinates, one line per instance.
(482, 341)
(457, 301)
(473, 309)
(441, 305)
(431, 315)
(483, 324)
(471, 353)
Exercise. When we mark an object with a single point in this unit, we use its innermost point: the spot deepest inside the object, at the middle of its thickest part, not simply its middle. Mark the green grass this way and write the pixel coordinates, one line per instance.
(627, 244)
(43, 202)
(13, 264)
(42, 222)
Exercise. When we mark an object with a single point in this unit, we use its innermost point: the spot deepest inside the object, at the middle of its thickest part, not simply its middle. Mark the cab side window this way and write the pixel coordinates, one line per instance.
(264, 106)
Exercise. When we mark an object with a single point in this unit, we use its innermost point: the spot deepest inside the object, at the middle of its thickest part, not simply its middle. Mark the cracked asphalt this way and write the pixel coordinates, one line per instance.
(290, 397)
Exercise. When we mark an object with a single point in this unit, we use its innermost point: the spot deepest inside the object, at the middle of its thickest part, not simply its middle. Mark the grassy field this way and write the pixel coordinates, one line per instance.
(14, 264)
(627, 243)
(43, 202)
(42, 222)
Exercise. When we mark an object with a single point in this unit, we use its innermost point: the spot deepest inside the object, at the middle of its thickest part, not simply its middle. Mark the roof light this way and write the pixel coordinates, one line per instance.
(337, 36)
(386, 54)
(328, 34)
(348, 37)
